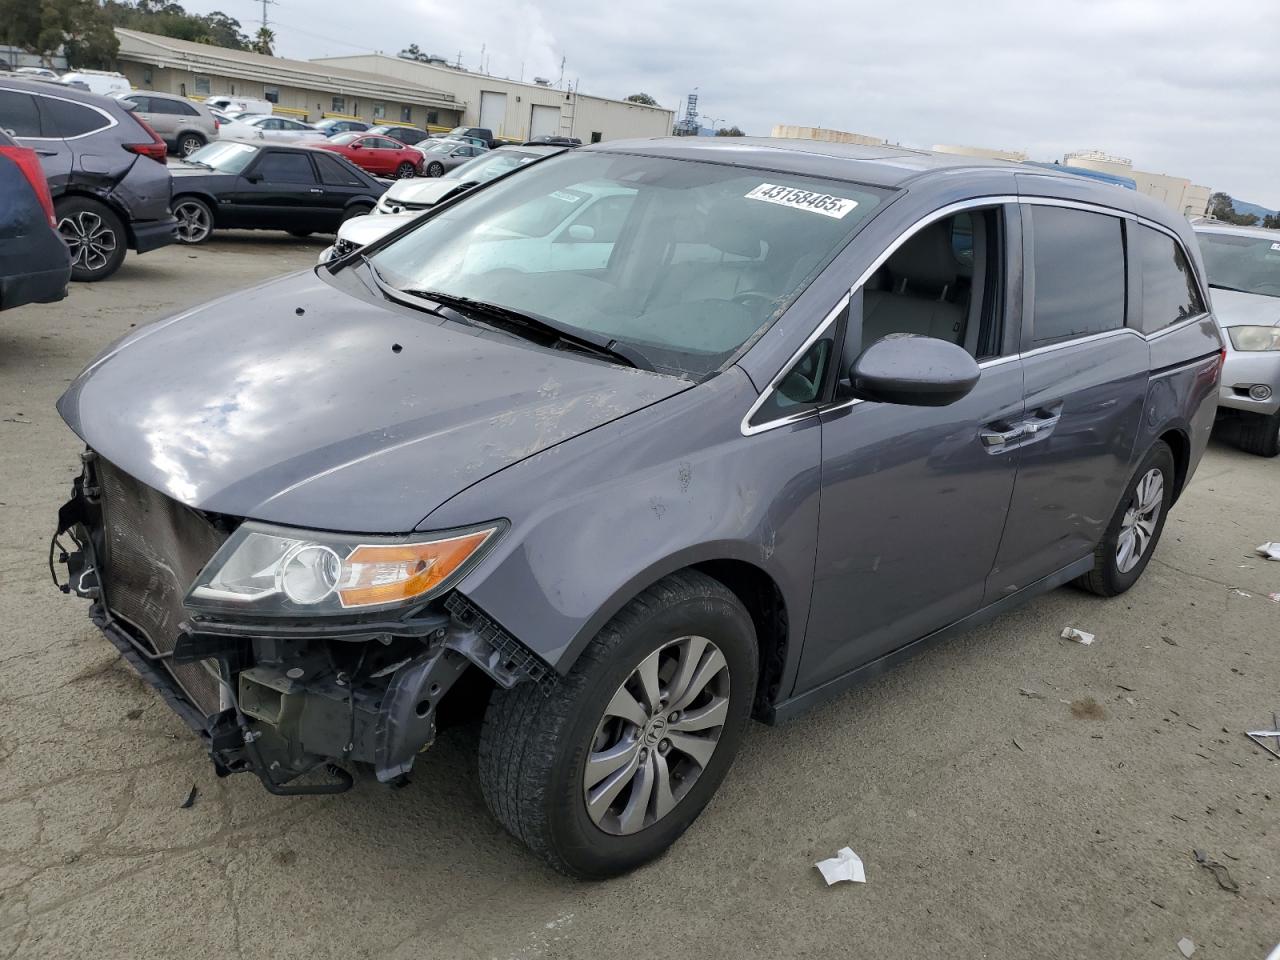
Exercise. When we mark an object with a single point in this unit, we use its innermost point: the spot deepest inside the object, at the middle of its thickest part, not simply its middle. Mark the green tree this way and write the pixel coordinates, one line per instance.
(1271, 221)
(730, 132)
(262, 41)
(1222, 207)
(171, 20)
(642, 98)
(413, 52)
(77, 27)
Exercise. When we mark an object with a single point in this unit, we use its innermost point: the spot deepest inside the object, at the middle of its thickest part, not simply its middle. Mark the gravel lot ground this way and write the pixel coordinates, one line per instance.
(1012, 794)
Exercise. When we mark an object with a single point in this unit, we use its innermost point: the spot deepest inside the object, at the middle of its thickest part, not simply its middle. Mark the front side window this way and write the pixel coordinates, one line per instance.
(499, 246)
(945, 281)
(18, 114)
(1079, 273)
(1169, 290)
(286, 168)
(1245, 264)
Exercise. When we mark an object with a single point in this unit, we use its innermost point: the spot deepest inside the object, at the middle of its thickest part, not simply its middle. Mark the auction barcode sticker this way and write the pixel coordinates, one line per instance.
(823, 203)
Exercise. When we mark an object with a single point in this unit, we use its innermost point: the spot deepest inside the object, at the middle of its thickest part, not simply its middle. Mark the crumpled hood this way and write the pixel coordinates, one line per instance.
(421, 189)
(362, 231)
(291, 403)
(1235, 309)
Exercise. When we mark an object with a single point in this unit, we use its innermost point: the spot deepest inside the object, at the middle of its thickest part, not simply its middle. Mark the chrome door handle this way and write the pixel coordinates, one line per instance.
(316, 190)
(992, 437)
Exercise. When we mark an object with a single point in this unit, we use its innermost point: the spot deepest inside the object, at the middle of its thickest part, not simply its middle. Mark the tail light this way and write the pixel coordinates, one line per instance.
(155, 148)
(29, 164)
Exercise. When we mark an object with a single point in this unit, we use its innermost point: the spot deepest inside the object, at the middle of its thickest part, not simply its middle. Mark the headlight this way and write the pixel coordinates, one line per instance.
(274, 571)
(1254, 338)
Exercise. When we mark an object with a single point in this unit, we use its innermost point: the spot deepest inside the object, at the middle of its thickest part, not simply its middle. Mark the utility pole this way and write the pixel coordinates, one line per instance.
(265, 4)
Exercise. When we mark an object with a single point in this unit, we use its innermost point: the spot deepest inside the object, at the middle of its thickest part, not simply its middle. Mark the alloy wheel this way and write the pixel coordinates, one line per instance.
(193, 222)
(190, 145)
(657, 735)
(404, 171)
(1138, 527)
(90, 240)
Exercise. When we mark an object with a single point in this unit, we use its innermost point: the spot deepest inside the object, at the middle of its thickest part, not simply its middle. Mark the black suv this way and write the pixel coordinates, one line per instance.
(105, 167)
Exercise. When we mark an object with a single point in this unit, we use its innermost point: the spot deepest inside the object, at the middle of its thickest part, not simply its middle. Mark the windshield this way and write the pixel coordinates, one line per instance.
(345, 138)
(686, 261)
(1238, 262)
(490, 166)
(440, 146)
(227, 156)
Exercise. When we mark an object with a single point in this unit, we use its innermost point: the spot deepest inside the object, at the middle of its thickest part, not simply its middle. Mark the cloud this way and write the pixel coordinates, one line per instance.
(1181, 86)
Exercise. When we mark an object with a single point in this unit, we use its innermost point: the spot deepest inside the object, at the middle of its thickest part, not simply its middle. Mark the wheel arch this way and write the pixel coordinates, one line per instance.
(1179, 441)
(205, 198)
(77, 191)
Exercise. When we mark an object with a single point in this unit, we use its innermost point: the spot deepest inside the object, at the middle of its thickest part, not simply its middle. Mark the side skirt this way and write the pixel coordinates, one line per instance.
(793, 707)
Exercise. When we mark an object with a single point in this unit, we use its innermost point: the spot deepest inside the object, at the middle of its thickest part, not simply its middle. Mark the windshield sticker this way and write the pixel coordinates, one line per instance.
(1275, 246)
(823, 203)
(566, 197)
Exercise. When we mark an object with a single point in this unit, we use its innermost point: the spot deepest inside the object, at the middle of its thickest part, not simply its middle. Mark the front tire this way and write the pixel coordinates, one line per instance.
(1135, 528)
(405, 170)
(359, 210)
(95, 236)
(195, 220)
(1260, 433)
(603, 772)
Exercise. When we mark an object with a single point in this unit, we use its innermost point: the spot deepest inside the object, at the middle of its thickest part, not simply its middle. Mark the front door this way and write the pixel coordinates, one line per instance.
(914, 499)
(1087, 375)
(280, 190)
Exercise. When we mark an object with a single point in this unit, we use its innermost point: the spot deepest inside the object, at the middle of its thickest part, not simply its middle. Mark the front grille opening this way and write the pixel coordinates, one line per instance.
(154, 547)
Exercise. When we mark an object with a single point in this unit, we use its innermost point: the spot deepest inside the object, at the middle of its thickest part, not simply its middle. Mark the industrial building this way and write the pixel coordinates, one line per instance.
(382, 89)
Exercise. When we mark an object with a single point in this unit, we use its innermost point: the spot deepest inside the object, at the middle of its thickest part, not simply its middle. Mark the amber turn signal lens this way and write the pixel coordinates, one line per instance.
(374, 575)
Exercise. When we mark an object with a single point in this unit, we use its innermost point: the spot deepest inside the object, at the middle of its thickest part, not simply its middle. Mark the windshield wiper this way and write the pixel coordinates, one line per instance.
(1223, 286)
(575, 338)
(195, 163)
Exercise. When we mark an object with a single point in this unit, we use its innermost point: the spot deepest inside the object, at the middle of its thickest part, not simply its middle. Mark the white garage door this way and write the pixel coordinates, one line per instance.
(545, 121)
(493, 112)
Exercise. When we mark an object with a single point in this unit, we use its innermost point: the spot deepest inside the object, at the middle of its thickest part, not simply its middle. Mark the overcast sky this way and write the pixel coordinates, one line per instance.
(1184, 87)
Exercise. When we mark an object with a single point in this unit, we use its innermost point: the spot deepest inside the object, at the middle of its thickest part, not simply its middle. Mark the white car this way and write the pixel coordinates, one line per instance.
(240, 105)
(281, 129)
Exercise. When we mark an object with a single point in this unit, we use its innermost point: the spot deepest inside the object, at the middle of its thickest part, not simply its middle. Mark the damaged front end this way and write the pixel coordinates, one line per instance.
(283, 653)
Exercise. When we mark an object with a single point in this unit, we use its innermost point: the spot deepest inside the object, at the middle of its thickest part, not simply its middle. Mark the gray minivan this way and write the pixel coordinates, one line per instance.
(794, 412)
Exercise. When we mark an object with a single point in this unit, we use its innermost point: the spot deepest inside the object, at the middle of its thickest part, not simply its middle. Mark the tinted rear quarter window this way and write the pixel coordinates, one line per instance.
(18, 114)
(335, 174)
(62, 118)
(1079, 265)
(1169, 290)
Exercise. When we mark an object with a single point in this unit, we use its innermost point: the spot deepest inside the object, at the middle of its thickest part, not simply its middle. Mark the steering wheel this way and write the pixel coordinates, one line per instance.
(747, 297)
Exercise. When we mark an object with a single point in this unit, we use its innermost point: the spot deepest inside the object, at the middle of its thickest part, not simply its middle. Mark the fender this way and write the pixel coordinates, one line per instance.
(597, 518)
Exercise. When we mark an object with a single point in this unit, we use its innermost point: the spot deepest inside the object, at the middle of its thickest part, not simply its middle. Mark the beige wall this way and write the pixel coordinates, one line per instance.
(1176, 193)
(580, 116)
(788, 132)
(305, 103)
(985, 153)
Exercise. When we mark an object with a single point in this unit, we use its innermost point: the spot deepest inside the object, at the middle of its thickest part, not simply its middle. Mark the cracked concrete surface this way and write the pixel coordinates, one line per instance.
(1076, 842)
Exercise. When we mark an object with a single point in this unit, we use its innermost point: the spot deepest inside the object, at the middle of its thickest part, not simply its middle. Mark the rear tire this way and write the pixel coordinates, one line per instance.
(1115, 568)
(1260, 433)
(95, 236)
(300, 234)
(536, 743)
(435, 169)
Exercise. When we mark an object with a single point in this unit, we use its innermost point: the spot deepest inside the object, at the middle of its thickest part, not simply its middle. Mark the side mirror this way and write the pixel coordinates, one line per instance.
(357, 145)
(253, 177)
(581, 233)
(914, 371)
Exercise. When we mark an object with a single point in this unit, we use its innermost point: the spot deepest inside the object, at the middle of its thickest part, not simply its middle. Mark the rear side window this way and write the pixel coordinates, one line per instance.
(334, 173)
(286, 168)
(18, 114)
(1079, 274)
(62, 118)
(1169, 290)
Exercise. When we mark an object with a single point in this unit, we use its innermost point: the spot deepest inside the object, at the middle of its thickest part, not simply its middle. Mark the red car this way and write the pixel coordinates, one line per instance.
(381, 156)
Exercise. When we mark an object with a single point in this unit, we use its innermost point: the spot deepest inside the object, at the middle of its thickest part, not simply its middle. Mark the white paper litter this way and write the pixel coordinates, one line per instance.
(1079, 636)
(1270, 550)
(1274, 597)
(845, 865)
(1187, 947)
